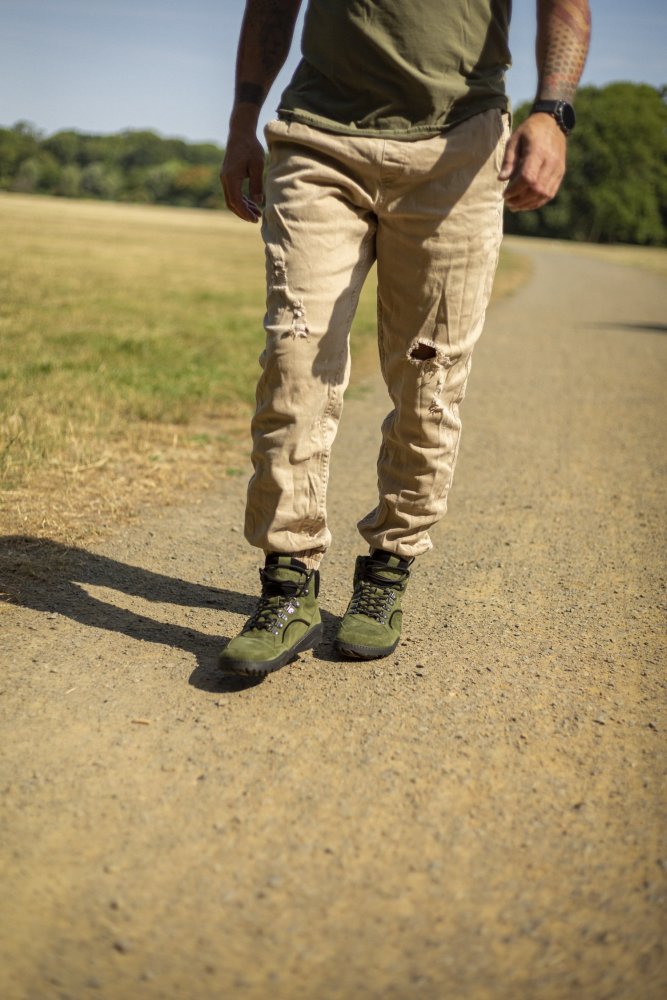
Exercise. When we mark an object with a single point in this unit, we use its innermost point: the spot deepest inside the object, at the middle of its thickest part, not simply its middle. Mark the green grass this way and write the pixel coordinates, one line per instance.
(120, 324)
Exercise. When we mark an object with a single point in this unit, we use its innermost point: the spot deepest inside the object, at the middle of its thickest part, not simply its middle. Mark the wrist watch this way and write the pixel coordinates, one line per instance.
(561, 112)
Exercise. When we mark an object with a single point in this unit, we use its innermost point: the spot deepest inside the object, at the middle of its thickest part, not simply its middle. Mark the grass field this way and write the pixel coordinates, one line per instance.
(129, 339)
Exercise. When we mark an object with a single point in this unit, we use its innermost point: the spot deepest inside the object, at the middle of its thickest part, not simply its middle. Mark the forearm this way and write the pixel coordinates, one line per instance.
(535, 155)
(563, 34)
(266, 36)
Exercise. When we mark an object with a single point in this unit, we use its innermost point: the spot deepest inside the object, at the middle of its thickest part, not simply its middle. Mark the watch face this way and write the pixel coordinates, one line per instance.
(567, 115)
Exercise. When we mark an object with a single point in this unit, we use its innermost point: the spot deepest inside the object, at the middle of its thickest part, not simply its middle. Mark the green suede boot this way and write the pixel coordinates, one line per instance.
(371, 626)
(286, 622)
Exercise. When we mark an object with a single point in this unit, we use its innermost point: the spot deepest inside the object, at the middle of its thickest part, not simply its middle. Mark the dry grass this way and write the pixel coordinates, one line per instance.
(129, 343)
(129, 338)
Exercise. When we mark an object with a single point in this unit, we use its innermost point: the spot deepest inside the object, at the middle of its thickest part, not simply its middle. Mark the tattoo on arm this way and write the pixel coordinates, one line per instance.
(266, 36)
(563, 34)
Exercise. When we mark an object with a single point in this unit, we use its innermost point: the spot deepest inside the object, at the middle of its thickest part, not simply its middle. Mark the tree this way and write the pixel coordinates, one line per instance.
(65, 146)
(27, 176)
(69, 182)
(101, 181)
(16, 145)
(142, 149)
(195, 185)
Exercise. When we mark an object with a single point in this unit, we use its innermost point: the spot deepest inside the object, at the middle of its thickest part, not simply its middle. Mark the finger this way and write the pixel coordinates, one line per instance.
(235, 200)
(527, 199)
(256, 181)
(554, 179)
(536, 183)
(253, 211)
(517, 191)
(527, 204)
(536, 179)
(232, 191)
(521, 198)
(510, 159)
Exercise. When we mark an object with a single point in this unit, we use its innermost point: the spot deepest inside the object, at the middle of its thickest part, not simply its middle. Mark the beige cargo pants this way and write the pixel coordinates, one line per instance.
(430, 213)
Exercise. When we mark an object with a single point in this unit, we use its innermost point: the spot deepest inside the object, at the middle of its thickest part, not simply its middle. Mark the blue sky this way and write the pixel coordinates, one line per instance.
(168, 65)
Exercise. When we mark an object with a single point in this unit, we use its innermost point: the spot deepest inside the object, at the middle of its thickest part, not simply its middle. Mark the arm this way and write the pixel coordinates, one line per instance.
(535, 156)
(266, 36)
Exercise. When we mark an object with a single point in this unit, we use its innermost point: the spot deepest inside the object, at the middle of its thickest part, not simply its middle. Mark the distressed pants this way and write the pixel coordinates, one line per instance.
(430, 213)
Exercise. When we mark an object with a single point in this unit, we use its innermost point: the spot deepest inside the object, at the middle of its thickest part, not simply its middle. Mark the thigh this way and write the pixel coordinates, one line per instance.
(319, 235)
(438, 240)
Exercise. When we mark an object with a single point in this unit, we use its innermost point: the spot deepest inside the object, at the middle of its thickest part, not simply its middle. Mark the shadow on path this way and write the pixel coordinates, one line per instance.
(639, 327)
(47, 576)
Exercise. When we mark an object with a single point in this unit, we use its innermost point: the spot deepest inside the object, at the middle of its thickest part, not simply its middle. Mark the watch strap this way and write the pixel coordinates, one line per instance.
(560, 111)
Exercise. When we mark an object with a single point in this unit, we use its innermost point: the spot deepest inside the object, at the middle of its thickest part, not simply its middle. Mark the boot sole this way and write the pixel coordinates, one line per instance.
(260, 668)
(364, 652)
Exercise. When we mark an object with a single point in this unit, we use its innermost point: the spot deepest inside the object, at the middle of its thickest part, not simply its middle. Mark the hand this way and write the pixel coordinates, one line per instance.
(534, 163)
(244, 158)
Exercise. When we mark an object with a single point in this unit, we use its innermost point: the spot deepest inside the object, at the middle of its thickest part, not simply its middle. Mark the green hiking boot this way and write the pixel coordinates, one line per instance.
(371, 626)
(286, 621)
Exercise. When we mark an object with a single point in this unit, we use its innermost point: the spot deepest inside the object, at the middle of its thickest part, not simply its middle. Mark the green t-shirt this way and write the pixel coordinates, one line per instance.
(401, 68)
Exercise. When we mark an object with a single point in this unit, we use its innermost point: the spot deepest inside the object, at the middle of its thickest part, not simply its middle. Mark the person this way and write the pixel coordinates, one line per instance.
(392, 145)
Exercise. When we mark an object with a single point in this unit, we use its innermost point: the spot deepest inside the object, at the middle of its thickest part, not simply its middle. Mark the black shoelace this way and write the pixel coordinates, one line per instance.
(279, 599)
(375, 595)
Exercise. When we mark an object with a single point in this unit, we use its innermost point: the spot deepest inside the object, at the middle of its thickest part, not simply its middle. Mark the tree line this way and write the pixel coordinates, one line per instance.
(615, 189)
(135, 166)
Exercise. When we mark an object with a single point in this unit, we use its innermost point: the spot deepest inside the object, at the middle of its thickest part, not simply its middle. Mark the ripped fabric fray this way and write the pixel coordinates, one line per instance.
(437, 405)
(433, 366)
(299, 327)
(279, 283)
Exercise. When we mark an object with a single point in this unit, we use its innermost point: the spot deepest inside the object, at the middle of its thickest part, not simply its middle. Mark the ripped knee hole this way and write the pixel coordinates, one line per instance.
(422, 352)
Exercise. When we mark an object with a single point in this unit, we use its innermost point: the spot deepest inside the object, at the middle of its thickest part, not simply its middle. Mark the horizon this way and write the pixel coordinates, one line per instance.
(43, 133)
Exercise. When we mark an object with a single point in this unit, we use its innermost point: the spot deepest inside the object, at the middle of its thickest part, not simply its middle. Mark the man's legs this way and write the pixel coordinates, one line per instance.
(440, 209)
(439, 233)
(437, 245)
(319, 232)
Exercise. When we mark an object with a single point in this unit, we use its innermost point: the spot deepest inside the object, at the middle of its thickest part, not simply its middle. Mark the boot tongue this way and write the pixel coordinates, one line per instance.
(285, 569)
(392, 563)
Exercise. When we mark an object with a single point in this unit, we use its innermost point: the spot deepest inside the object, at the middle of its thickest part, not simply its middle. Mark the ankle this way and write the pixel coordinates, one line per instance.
(383, 555)
(310, 558)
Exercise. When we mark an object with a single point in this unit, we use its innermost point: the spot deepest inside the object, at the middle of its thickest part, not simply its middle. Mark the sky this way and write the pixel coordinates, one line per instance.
(168, 65)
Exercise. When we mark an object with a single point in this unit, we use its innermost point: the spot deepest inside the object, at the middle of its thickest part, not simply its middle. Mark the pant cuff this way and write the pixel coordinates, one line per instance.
(311, 558)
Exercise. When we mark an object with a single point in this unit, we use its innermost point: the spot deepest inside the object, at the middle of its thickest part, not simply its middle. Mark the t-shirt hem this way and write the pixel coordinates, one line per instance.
(411, 132)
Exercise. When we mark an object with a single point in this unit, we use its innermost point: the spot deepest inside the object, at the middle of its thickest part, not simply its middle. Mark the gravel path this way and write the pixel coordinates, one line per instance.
(482, 815)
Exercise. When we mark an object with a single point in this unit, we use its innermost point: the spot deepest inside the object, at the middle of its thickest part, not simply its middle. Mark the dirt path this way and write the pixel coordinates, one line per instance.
(480, 816)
